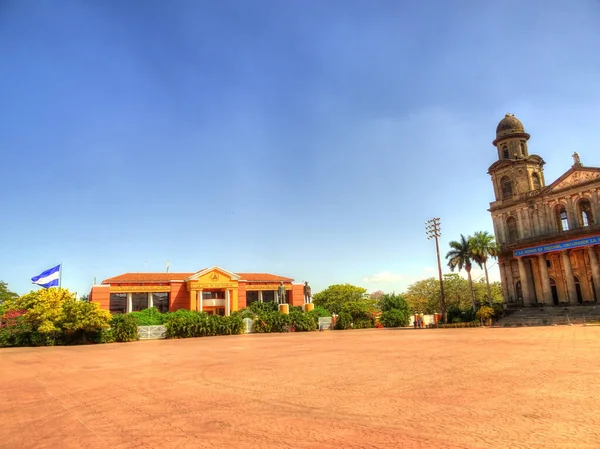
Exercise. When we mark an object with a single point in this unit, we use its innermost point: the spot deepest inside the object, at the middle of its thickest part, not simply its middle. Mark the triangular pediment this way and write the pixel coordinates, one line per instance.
(214, 274)
(573, 177)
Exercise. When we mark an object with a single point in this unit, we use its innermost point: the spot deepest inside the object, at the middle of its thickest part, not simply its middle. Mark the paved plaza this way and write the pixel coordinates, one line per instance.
(376, 388)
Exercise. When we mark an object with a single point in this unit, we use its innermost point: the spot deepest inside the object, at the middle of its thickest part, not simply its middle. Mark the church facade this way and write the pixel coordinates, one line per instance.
(548, 234)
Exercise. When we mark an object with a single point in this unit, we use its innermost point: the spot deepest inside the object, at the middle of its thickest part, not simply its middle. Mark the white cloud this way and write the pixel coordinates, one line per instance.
(383, 277)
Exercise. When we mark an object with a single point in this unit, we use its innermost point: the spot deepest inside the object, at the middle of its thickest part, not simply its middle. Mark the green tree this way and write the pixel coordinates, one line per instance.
(377, 295)
(5, 293)
(461, 256)
(53, 315)
(484, 247)
(424, 296)
(335, 296)
(392, 301)
(395, 310)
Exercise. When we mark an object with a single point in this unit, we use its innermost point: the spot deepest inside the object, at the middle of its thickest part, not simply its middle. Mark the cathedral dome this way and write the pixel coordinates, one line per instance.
(510, 126)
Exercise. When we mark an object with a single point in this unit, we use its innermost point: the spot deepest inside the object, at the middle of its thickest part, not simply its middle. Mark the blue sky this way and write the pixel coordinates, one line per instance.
(308, 138)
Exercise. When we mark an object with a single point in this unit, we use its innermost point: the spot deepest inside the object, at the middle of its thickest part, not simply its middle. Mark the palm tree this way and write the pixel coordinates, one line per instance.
(484, 247)
(461, 256)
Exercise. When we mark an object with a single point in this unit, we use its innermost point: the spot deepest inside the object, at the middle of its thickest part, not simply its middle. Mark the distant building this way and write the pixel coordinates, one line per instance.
(212, 290)
(548, 234)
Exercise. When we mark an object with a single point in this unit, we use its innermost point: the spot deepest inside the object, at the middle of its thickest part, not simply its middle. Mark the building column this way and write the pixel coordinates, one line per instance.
(596, 209)
(129, 302)
(150, 300)
(595, 270)
(192, 300)
(546, 292)
(568, 274)
(572, 217)
(227, 305)
(260, 298)
(510, 283)
(503, 283)
(200, 300)
(524, 282)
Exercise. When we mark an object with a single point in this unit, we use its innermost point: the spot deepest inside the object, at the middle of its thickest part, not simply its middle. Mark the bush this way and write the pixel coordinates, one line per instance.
(149, 317)
(344, 321)
(394, 318)
(303, 322)
(272, 322)
(457, 315)
(484, 313)
(48, 317)
(189, 324)
(124, 328)
(320, 311)
(263, 307)
(361, 315)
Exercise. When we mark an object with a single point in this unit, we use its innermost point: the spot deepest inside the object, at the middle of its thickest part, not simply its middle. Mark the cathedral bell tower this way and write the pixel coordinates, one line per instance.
(515, 172)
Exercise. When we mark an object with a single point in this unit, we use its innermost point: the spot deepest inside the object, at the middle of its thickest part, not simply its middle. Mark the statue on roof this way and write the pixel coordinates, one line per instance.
(576, 160)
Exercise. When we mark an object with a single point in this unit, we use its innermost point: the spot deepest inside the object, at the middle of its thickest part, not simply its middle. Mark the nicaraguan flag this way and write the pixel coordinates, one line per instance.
(48, 278)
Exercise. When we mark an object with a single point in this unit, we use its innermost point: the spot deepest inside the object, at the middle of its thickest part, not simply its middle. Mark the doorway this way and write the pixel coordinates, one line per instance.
(578, 290)
(554, 291)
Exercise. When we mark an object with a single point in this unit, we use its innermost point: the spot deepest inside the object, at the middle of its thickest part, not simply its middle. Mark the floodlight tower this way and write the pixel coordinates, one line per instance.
(432, 228)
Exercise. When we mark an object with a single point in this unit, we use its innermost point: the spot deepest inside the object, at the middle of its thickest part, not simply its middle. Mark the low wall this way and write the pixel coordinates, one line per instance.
(152, 332)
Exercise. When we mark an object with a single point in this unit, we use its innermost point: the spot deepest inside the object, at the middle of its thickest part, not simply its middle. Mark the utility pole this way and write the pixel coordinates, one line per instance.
(433, 232)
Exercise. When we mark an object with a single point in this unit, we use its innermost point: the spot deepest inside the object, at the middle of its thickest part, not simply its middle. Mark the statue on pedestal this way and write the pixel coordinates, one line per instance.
(281, 293)
(576, 160)
(307, 293)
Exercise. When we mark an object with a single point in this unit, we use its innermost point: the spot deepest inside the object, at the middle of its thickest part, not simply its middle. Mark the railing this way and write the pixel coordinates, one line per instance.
(541, 239)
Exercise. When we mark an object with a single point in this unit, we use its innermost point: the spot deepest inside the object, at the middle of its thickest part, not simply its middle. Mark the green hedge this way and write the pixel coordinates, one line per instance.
(149, 317)
(188, 324)
(394, 318)
(123, 328)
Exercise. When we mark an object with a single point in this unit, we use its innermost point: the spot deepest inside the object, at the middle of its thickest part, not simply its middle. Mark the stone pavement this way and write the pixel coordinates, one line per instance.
(376, 388)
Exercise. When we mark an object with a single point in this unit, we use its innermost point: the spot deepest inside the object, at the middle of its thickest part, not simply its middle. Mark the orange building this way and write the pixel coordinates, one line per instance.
(212, 290)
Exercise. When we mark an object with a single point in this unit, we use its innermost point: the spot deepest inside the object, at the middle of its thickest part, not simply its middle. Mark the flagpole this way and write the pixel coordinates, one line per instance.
(60, 276)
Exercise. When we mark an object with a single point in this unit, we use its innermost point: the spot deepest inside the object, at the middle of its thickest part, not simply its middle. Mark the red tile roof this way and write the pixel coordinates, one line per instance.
(138, 278)
(129, 278)
(262, 277)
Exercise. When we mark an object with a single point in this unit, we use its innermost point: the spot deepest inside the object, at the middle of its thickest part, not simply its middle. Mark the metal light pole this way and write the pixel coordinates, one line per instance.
(433, 232)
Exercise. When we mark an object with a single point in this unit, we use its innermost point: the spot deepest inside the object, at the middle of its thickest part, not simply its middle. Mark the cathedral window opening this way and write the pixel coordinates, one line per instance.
(535, 180)
(505, 152)
(507, 189)
(585, 213)
(562, 219)
(513, 230)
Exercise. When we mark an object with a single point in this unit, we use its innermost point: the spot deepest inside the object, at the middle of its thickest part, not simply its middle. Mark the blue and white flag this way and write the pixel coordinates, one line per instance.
(49, 278)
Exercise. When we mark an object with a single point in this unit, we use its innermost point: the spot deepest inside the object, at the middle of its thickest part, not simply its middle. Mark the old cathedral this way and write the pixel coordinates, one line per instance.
(548, 235)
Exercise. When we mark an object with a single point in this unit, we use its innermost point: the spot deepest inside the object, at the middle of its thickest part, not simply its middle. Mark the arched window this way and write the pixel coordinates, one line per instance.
(585, 212)
(562, 221)
(513, 229)
(535, 180)
(507, 189)
(522, 149)
(505, 152)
